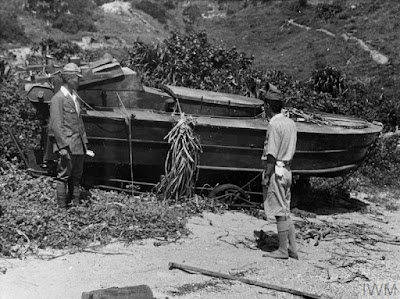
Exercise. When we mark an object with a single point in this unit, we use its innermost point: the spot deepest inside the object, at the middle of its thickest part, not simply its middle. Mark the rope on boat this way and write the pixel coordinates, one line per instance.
(128, 121)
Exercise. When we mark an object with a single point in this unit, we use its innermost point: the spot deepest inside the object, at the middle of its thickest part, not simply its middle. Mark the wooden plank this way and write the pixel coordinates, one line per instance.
(133, 292)
(244, 280)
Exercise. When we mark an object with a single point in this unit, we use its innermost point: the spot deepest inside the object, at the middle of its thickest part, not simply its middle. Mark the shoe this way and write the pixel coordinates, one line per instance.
(293, 254)
(277, 254)
(61, 195)
(76, 194)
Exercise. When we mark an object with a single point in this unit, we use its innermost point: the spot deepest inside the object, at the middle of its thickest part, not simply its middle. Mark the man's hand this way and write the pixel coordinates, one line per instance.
(90, 153)
(264, 179)
(64, 153)
(265, 182)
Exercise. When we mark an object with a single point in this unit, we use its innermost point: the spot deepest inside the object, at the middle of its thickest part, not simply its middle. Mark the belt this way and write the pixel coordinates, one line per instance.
(282, 163)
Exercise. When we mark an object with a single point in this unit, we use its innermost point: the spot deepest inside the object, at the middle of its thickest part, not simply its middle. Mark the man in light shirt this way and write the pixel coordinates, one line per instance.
(279, 149)
(66, 125)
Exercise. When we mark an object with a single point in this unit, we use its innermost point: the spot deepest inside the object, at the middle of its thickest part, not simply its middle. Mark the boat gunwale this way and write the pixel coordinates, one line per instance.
(250, 123)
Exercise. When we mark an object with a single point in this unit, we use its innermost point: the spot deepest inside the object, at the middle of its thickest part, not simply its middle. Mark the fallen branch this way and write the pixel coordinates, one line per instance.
(247, 281)
(106, 252)
(21, 233)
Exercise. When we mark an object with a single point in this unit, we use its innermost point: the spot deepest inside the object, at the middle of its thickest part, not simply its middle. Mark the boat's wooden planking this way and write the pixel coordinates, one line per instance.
(228, 143)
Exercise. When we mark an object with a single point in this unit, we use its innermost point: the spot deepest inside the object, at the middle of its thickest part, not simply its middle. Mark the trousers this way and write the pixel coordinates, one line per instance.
(70, 169)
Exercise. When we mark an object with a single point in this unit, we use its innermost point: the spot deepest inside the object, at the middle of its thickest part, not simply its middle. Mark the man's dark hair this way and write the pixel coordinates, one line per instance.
(276, 106)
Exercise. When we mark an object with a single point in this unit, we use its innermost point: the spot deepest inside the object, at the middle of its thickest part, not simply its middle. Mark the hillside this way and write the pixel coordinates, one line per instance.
(282, 35)
(264, 29)
(265, 32)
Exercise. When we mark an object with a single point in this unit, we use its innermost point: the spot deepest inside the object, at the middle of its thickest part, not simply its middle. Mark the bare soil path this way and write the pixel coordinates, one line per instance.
(336, 267)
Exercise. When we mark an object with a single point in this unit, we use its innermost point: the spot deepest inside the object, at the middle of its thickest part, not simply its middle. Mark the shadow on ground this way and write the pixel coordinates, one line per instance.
(322, 202)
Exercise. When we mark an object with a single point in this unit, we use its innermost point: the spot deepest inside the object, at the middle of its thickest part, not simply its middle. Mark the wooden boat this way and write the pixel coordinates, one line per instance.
(126, 124)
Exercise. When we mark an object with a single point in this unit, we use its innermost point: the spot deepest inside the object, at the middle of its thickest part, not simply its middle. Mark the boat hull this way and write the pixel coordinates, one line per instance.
(230, 145)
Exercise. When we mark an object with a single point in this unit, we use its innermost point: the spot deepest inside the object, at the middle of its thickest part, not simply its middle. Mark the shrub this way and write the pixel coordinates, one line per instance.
(329, 80)
(190, 60)
(154, 10)
(74, 23)
(382, 163)
(327, 11)
(18, 115)
(169, 4)
(11, 30)
(61, 49)
(191, 14)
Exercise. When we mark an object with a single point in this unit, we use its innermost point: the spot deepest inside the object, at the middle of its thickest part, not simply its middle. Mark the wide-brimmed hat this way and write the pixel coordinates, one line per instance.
(71, 68)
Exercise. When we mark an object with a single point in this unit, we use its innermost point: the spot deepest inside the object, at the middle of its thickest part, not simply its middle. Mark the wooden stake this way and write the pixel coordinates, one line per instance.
(244, 280)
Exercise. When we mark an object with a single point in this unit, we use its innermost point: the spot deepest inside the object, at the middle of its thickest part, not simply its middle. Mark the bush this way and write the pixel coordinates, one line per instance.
(327, 11)
(11, 30)
(329, 80)
(61, 50)
(191, 14)
(190, 60)
(74, 24)
(18, 115)
(154, 10)
(169, 4)
(382, 163)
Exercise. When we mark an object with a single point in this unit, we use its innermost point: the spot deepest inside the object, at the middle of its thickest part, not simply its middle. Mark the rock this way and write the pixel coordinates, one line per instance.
(117, 7)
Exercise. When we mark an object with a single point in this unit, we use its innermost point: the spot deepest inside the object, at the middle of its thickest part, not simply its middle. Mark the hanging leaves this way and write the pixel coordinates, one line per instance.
(181, 162)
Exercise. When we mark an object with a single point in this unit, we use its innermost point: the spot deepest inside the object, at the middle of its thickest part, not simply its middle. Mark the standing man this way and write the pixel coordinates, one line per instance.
(279, 149)
(66, 125)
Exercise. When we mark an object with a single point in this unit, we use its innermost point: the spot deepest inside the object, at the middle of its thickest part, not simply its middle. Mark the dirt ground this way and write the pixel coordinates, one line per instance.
(339, 267)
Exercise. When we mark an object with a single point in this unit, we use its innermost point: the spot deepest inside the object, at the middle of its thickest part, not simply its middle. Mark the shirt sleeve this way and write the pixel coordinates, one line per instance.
(273, 142)
(56, 122)
(264, 155)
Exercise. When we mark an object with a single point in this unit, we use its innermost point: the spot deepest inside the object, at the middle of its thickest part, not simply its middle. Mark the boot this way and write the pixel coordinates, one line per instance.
(292, 240)
(61, 194)
(76, 193)
(283, 235)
